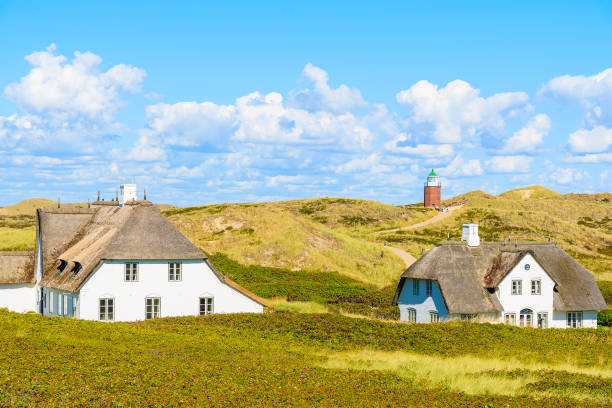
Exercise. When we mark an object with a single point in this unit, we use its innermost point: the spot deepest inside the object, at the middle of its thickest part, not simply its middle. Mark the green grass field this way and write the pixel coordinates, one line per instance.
(293, 359)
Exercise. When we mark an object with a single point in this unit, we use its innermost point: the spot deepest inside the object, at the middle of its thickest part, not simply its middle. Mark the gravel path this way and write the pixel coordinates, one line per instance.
(438, 217)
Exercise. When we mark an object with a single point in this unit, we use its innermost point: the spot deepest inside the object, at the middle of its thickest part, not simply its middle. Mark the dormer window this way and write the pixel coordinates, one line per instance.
(61, 266)
(76, 269)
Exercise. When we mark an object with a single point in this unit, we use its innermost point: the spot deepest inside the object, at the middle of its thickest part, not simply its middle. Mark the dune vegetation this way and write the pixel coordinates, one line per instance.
(298, 359)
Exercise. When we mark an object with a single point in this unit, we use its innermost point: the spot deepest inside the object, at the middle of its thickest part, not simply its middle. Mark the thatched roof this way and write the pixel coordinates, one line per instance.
(465, 274)
(17, 267)
(86, 237)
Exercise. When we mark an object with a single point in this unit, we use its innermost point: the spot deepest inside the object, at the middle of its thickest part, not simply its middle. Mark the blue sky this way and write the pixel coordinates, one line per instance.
(251, 101)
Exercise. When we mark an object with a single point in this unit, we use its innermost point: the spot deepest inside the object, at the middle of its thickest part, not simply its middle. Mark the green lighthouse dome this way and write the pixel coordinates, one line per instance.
(432, 174)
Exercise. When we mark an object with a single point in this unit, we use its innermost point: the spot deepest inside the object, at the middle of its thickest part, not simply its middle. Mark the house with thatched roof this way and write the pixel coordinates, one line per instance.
(518, 283)
(18, 289)
(120, 261)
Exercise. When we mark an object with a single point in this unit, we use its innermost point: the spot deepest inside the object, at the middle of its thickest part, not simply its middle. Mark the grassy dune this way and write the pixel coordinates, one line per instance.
(292, 359)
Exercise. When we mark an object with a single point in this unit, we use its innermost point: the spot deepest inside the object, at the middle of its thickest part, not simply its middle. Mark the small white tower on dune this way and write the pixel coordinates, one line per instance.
(127, 192)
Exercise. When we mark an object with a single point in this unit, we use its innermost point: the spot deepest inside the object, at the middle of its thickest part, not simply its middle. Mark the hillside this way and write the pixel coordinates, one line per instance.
(302, 360)
(347, 236)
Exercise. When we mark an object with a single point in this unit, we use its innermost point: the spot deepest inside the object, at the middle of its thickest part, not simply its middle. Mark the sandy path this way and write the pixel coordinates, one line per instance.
(438, 217)
(406, 257)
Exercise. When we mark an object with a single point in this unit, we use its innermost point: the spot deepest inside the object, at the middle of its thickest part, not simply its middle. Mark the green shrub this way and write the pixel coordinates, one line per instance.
(604, 318)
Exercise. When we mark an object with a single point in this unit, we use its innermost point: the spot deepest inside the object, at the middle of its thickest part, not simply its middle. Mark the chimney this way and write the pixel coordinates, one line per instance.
(470, 234)
(127, 192)
(145, 194)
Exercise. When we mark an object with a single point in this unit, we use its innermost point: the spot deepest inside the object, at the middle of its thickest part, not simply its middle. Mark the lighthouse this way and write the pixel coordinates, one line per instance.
(433, 190)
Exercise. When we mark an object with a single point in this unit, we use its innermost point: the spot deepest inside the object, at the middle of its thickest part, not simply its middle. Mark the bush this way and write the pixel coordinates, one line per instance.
(604, 318)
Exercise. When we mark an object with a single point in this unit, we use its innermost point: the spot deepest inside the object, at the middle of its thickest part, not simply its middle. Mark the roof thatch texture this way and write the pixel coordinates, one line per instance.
(88, 236)
(464, 275)
(17, 267)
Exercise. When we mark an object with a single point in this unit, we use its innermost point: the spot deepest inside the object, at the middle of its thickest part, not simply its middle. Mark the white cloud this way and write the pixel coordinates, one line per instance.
(567, 176)
(457, 112)
(591, 158)
(323, 97)
(276, 181)
(68, 89)
(369, 164)
(400, 145)
(593, 92)
(459, 167)
(509, 164)
(596, 140)
(530, 137)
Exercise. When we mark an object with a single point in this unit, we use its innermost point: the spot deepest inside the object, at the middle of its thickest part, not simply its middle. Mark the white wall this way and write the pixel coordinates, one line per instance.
(18, 297)
(537, 303)
(589, 320)
(177, 298)
(422, 303)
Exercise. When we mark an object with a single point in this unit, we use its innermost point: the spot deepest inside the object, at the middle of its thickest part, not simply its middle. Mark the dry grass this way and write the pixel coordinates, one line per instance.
(282, 305)
(13, 239)
(470, 374)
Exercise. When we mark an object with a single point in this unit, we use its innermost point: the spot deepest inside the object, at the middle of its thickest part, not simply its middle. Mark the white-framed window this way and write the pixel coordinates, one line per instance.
(574, 319)
(44, 299)
(536, 287)
(429, 287)
(175, 271)
(510, 318)
(411, 315)
(64, 304)
(542, 320)
(526, 318)
(50, 302)
(152, 307)
(468, 317)
(517, 287)
(131, 272)
(433, 317)
(207, 305)
(107, 309)
(415, 287)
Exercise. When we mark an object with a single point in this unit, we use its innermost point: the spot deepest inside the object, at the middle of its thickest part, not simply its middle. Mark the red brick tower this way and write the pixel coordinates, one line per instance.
(433, 190)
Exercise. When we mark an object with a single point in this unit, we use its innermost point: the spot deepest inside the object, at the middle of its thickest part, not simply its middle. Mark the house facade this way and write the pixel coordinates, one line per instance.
(116, 261)
(529, 284)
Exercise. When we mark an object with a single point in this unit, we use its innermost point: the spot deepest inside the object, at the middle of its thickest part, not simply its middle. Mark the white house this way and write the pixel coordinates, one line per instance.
(18, 289)
(124, 261)
(525, 284)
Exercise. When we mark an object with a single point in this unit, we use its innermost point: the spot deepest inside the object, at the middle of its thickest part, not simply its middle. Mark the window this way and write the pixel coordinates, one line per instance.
(76, 269)
(469, 317)
(429, 287)
(411, 315)
(517, 287)
(152, 307)
(542, 320)
(536, 287)
(526, 318)
(131, 271)
(107, 309)
(65, 305)
(44, 298)
(415, 287)
(574, 319)
(510, 318)
(433, 317)
(527, 267)
(174, 272)
(50, 302)
(207, 306)
(61, 266)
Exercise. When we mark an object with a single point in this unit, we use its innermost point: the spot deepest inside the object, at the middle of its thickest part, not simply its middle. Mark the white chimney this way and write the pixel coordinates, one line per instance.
(127, 192)
(470, 234)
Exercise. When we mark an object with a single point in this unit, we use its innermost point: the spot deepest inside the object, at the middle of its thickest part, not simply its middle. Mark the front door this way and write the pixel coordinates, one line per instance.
(526, 318)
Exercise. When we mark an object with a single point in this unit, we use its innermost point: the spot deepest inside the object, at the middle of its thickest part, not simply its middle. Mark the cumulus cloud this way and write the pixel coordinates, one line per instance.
(78, 87)
(323, 97)
(567, 176)
(593, 92)
(459, 167)
(457, 111)
(530, 137)
(509, 164)
(595, 140)
(401, 145)
(371, 164)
